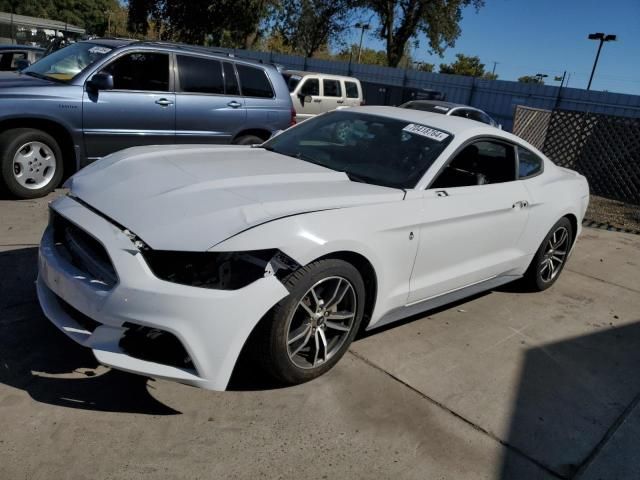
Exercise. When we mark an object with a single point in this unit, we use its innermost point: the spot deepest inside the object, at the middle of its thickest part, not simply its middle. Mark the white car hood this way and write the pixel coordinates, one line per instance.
(193, 197)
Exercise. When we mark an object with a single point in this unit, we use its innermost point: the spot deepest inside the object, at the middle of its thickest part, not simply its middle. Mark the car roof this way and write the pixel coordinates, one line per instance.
(175, 46)
(21, 48)
(324, 75)
(452, 124)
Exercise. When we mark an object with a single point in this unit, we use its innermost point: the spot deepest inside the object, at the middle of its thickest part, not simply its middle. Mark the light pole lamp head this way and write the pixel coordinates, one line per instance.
(596, 36)
(610, 38)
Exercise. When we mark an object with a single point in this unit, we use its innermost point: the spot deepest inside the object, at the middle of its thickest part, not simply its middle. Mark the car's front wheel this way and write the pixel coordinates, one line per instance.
(30, 162)
(311, 329)
(551, 257)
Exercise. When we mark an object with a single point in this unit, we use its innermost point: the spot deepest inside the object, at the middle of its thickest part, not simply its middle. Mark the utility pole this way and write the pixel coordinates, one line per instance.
(493, 71)
(362, 27)
(603, 38)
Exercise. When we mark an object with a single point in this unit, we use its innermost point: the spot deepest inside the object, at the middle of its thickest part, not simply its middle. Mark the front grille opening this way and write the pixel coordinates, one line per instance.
(155, 345)
(87, 323)
(82, 251)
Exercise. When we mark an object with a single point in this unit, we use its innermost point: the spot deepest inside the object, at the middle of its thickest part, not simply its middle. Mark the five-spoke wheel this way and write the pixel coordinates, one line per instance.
(551, 257)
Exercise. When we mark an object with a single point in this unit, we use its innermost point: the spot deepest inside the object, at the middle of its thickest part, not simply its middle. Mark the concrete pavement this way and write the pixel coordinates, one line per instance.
(507, 385)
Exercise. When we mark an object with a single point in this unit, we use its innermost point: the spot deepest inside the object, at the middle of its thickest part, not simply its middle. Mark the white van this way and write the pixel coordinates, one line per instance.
(313, 93)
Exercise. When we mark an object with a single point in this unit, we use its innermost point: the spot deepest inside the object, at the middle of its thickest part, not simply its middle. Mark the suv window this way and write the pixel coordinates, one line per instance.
(529, 164)
(479, 163)
(230, 80)
(352, 89)
(331, 88)
(254, 82)
(311, 86)
(200, 75)
(140, 71)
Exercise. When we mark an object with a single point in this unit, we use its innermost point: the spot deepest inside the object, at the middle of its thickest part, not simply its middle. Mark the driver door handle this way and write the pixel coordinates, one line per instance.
(317, 100)
(234, 104)
(163, 102)
(520, 204)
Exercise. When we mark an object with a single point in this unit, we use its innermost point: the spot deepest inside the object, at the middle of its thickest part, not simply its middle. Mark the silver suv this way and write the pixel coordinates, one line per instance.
(95, 97)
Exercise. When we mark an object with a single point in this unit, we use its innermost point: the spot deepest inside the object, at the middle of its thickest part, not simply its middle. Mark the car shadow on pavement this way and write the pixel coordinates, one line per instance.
(37, 358)
(571, 396)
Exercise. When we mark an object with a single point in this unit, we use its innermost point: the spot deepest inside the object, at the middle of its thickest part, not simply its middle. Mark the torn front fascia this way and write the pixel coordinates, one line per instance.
(137, 241)
(280, 265)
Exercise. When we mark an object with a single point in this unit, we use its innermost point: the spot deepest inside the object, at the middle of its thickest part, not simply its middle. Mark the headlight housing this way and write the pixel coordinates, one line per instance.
(218, 270)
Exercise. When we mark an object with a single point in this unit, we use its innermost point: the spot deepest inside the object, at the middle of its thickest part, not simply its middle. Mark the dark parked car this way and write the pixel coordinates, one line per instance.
(454, 109)
(99, 96)
(17, 57)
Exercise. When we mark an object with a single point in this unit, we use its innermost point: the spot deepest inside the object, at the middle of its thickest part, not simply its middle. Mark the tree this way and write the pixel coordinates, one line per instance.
(368, 56)
(530, 79)
(424, 67)
(92, 15)
(402, 20)
(234, 23)
(468, 66)
(308, 25)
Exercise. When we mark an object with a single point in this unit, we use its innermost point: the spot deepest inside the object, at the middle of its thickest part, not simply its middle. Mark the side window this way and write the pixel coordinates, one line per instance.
(480, 163)
(17, 56)
(200, 75)
(311, 86)
(529, 164)
(331, 88)
(5, 60)
(254, 82)
(477, 116)
(140, 71)
(230, 81)
(352, 89)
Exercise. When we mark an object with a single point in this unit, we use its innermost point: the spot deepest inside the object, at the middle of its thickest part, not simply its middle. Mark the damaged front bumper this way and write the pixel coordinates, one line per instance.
(210, 325)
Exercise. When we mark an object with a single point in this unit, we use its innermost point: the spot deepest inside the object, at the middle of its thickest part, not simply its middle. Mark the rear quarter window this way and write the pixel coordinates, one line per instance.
(529, 164)
(254, 82)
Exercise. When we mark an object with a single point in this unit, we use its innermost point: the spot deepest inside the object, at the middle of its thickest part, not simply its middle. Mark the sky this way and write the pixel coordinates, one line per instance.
(527, 37)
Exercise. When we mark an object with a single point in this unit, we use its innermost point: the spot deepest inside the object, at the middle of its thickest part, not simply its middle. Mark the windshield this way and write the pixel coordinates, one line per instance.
(368, 148)
(66, 63)
(426, 107)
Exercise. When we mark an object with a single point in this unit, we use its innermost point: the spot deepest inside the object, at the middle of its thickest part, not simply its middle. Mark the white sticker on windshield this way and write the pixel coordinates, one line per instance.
(99, 50)
(428, 132)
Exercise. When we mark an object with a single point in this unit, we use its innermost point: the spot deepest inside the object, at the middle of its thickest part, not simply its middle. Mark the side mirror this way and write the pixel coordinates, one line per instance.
(307, 99)
(22, 64)
(100, 81)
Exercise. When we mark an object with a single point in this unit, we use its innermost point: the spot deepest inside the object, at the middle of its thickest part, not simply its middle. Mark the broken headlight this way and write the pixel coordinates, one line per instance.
(217, 270)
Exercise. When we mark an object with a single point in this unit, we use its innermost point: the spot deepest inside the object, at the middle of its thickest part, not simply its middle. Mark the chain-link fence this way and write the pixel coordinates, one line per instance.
(604, 148)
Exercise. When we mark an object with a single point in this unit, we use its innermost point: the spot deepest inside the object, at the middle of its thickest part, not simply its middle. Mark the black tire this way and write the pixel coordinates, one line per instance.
(536, 277)
(11, 141)
(248, 140)
(273, 346)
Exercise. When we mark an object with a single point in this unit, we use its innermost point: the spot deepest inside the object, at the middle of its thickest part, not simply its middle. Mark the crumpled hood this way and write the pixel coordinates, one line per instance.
(192, 197)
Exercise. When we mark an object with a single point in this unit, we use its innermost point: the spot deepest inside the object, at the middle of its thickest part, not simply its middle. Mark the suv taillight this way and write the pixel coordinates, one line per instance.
(292, 122)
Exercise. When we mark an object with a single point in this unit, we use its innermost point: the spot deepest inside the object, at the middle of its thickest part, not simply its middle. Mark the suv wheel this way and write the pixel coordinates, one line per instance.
(248, 140)
(30, 162)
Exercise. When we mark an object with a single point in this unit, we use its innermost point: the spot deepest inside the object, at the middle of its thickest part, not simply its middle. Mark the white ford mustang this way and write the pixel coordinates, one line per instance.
(168, 261)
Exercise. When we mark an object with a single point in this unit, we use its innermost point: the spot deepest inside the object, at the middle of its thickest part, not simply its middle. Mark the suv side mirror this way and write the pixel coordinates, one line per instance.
(22, 64)
(101, 81)
(306, 99)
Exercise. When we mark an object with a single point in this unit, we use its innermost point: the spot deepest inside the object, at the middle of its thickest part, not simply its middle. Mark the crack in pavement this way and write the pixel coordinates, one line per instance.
(603, 281)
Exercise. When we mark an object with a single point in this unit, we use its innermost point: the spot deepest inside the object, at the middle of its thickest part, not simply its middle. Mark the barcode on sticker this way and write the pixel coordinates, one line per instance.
(428, 132)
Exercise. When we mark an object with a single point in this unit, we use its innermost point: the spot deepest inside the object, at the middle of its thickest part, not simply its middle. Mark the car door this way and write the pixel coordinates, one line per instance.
(308, 89)
(472, 217)
(209, 108)
(139, 110)
(353, 95)
(332, 96)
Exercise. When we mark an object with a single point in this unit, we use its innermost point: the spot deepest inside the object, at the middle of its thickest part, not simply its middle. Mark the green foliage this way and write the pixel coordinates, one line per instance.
(232, 23)
(308, 25)
(469, 66)
(530, 79)
(368, 56)
(93, 15)
(424, 67)
(402, 20)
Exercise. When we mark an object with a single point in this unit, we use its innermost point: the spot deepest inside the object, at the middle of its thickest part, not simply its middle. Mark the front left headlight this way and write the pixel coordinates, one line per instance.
(217, 270)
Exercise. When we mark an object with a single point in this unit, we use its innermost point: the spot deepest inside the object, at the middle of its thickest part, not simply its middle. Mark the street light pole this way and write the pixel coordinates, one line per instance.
(603, 38)
(362, 27)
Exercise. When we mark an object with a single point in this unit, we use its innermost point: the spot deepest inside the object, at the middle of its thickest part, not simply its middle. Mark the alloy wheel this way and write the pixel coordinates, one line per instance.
(321, 322)
(555, 255)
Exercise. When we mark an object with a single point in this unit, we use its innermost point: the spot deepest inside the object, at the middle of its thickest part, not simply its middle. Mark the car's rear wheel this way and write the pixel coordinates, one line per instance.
(30, 162)
(311, 329)
(551, 257)
(248, 140)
